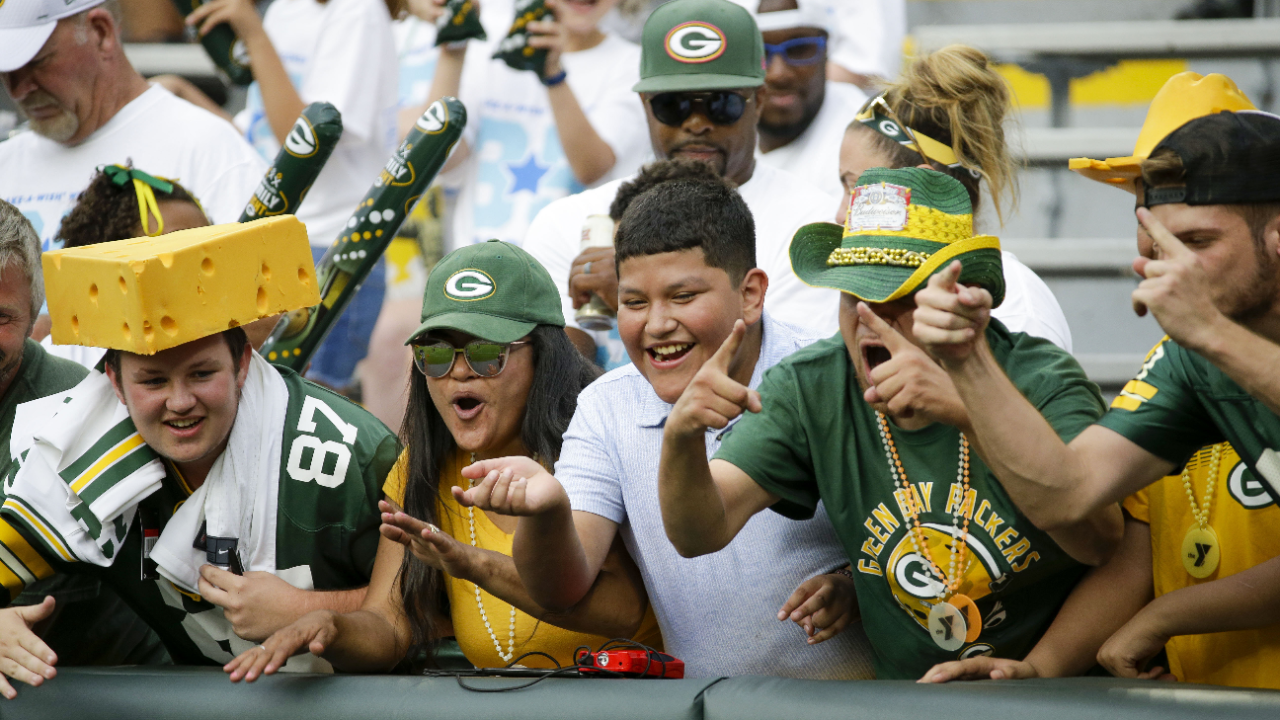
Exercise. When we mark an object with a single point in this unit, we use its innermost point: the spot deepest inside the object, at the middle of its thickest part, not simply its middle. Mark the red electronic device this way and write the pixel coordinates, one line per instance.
(634, 663)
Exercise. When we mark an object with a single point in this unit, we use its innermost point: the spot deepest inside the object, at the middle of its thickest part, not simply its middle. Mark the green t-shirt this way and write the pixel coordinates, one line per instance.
(817, 439)
(1179, 402)
(326, 532)
(39, 375)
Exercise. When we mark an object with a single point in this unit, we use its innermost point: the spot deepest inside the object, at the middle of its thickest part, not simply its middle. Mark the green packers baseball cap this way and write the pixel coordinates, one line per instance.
(492, 290)
(700, 45)
(903, 226)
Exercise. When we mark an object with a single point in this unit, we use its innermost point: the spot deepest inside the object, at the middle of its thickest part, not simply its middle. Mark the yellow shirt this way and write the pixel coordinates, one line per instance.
(531, 634)
(1247, 523)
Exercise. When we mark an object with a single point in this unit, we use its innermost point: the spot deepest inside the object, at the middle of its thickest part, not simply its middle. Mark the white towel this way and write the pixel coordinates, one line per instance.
(83, 469)
(238, 498)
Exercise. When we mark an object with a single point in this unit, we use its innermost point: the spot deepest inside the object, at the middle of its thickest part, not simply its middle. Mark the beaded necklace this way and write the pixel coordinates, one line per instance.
(1200, 550)
(511, 627)
(954, 619)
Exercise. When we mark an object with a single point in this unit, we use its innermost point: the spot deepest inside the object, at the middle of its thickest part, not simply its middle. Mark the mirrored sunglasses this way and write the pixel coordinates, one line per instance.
(486, 359)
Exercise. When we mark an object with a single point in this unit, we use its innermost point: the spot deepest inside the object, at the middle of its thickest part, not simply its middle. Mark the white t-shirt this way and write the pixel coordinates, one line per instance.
(780, 204)
(868, 36)
(517, 164)
(162, 134)
(341, 52)
(815, 155)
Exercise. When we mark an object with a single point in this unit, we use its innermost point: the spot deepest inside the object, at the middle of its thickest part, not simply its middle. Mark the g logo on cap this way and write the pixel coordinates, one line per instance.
(469, 285)
(695, 42)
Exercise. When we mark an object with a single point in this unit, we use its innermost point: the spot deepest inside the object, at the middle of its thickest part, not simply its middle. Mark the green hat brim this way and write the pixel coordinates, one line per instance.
(696, 81)
(486, 327)
(813, 244)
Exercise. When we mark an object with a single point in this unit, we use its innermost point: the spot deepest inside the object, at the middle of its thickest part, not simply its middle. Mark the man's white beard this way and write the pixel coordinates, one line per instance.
(59, 128)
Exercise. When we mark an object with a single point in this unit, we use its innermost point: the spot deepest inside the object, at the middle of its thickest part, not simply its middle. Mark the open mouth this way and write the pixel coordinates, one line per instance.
(669, 355)
(184, 426)
(467, 406)
(874, 356)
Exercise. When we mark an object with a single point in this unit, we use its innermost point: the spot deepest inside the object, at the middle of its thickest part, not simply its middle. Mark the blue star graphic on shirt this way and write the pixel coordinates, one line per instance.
(527, 175)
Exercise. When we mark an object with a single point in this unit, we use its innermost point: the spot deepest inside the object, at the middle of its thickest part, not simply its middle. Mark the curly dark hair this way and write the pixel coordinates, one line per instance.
(656, 173)
(107, 211)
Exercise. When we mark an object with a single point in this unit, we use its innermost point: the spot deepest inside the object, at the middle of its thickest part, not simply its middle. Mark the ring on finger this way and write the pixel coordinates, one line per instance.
(586, 269)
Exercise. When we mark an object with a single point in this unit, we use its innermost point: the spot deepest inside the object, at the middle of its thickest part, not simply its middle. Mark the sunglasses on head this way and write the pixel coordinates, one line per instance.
(797, 51)
(486, 359)
(722, 107)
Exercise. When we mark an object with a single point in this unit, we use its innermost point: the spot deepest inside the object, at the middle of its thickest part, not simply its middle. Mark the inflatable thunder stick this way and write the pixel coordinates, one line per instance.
(223, 46)
(514, 49)
(368, 232)
(306, 149)
(459, 21)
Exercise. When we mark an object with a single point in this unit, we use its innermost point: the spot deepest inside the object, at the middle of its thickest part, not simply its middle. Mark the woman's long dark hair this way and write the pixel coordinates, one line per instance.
(560, 372)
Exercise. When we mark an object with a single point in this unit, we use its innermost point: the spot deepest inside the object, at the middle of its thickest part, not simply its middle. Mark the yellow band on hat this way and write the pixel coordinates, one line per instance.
(940, 258)
(924, 223)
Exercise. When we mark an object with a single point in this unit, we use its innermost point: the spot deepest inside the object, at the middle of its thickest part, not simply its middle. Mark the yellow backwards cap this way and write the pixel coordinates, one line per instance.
(1185, 97)
(149, 294)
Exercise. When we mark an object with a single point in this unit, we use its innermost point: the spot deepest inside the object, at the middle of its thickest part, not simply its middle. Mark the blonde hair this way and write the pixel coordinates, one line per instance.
(956, 97)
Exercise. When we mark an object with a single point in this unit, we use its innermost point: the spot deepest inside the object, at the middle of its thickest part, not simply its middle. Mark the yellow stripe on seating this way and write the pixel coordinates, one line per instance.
(27, 554)
(106, 461)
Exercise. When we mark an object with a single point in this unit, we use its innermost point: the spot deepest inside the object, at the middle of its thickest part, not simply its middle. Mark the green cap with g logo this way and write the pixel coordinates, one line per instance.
(492, 290)
(691, 45)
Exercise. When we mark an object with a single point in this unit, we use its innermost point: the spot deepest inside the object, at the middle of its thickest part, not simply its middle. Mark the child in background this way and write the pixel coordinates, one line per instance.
(341, 52)
(531, 140)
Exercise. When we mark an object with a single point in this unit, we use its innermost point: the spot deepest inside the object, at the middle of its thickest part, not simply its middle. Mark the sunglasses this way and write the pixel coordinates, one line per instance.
(797, 51)
(486, 359)
(880, 103)
(722, 107)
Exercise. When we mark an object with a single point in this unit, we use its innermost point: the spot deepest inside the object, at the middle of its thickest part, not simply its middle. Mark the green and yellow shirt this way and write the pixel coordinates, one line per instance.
(818, 440)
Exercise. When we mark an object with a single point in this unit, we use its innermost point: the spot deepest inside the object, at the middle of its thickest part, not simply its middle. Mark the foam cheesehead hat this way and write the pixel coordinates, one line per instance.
(149, 294)
(1184, 97)
(25, 26)
(903, 226)
(492, 290)
(692, 45)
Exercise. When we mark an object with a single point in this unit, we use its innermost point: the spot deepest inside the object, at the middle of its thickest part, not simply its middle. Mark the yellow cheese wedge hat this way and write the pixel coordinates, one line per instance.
(149, 294)
(1184, 97)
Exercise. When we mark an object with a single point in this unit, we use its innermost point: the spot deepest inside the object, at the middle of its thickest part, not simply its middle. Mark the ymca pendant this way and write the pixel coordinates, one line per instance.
(1200, 551)
(947, 626)
(972, 618)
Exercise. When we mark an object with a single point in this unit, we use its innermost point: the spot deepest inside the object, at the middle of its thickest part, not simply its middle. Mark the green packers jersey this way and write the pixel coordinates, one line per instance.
(335, 457)
(1179, 402)
(818, 440)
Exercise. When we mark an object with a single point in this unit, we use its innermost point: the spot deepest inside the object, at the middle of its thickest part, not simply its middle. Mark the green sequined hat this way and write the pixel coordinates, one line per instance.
(902, 227)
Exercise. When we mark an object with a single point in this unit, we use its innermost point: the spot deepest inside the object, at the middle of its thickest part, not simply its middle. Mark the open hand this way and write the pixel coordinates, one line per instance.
(427, 542)
(950, 318)
(910, 382)
(713, 399)
(512, 486)
(602, 280)
(311, 633)
(256, 604)
(1175, 288)
(241, 15)
(981, 667)
(23, 655)
(822, 606)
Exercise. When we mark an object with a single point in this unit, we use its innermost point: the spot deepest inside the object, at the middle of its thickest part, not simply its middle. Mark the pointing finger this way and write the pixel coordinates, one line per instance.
(946, 280)
(729, 348)
(1168, 244)
(892, 339)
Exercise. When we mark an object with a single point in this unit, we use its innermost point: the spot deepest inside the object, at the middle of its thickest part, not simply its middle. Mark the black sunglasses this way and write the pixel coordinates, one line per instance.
(486, 359)
(722, 107)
